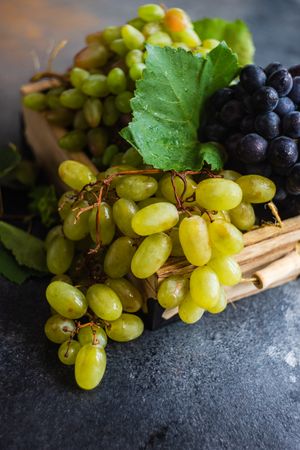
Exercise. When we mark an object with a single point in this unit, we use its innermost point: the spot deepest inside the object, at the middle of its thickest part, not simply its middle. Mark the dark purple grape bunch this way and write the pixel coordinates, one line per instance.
(258, 122)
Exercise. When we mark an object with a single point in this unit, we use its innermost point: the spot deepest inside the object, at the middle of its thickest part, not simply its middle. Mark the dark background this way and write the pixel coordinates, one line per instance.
(228, 382)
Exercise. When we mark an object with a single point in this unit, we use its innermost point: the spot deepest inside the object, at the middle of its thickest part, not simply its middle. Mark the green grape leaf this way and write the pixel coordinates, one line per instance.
(212, 154)
(169, 103)
(28, 250)
(9, 159)
(236, 35)
(43, 201)
(11, 270)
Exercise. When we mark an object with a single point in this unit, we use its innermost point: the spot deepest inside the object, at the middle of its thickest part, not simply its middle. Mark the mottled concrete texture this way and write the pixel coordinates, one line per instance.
(229, 382)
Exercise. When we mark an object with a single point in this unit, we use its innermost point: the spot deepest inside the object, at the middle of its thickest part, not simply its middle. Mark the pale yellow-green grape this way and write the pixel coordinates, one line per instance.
(78, 76)
(133, 57)
(106, 224)
(243, 216)
(230, 174)
(52, 234)
(116, 169)
(67, 300)
(110, 111)
(151, 12)
(104, 302)
(136, 71)
(126, 328)
(176, 246)
(205, 287)
(116, 80)
(152, 253)
(137, 23)
(60, 254)
(150, 201)
(227, 269)
(132, 157)
(220, 305)
(52, 98)
(72, 99)
(123, 212)
(118, 46)
(225, 237)
(90, 366)
(256, 189)
(136, 187)
(172, 291)
(133, 38)
(76, 228)
(93, 56)
(151, 28)
(194, 239)
(218, 194)
(118, 257)
(129, 295)
(211, 216)
(122, 102)
(167, 190)
(92, 335)
(36, 101)
(75, 174)
(62, 277)
(97, 140)
(160, 39)
(92, 110)
(210, 43)
(188, 311)
(65, 203)
(188, 37)
(155, 218)
(111, 33)
(67, 352)
(58, 329)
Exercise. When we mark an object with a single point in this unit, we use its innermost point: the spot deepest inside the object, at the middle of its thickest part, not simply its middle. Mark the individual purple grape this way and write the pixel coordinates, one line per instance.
(239, 92)
(262, 168)
(232, 113)
(265, 99)
(284, 106)
(295, 92)
(247, 124)
(281, 194)
(247, 102)
(282, 153)
(281, 81)
(220, 97)
(273, 67)
(268, 125)
(231, 144)
(215, 132)
(291, 124)
(252, 148)
(252, 77)
(295, 70)
(293, 181)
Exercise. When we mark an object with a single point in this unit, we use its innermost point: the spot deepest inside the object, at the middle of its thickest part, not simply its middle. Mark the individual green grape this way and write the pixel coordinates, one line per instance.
(218, 194)
(118, 257)
(104, 302)
(67, 300)
(118, 46)
(150, 201)
(129, 295)
(132, 157)
(123, 102)
(58, 329)
(227, 269)
(205, 287)
(211, 216)
(151, 254)
(93, 56)
(136, 187)
(64, 278)
(92, 335)
(155, 218)
(110, 111)
(77, 227)
(78, 76)
(52, 97)
(67, 352)
(116, 169)
(126, 328)
(160, 39)
(72, 98)
(75, 174)
(52, 234)
(123, 212)
(108, 154)
(73, 140)
(133, 38)
(90, 366)
(167, 190)
(97, 140)
(188, 311)
(116, 80)
(136, 71)
(151, 12)
(65, 203)
(79, 122)
(151, 28)
(137, 23)
(194, 239)
(225, 237)
(92, 110)
(107, 225)
(111, 33)
(172, 291)
(176, 246)
(256, 189)
(210, 43)
(96, 85)
(188, 37)
(230, 174)
(60, 254)
(62, 117)
(95, 38)
(36, 101)
(220, 305)
(243, 216)
(133, 57)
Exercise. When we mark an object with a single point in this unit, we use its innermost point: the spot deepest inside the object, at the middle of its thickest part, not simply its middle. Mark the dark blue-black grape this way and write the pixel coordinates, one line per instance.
(281, 81)
(293, 181)
(295, 92)
(265, 99)
(284, 106)
(220, 97)
(252, 148)
(283, 153)
(247, 124)
(291, 124)
(215, 132)
(232, 113)
(252, 77)
(273, 67)
(295, 70)
(280, 195)
(262, 168)
(231, 144)
(247, 102)
(268, 125)
(239, 92)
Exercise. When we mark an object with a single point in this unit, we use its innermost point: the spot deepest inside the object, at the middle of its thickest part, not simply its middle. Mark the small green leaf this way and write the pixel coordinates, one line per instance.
(11, 270)
(43, 201)
(211, 154)
(27, 249)
(9, 159)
